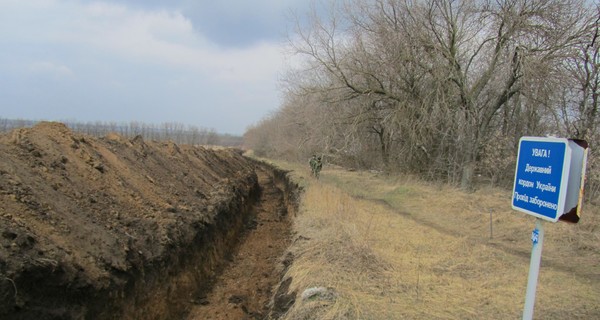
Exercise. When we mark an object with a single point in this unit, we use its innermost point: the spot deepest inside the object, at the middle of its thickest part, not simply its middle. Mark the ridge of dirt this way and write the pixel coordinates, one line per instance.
(111, 227)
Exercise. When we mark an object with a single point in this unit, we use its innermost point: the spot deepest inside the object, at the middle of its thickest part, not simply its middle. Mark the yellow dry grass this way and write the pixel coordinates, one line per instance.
(398, 248)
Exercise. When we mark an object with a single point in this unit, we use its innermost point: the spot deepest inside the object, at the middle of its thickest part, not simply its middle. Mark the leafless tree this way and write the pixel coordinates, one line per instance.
(432, 82)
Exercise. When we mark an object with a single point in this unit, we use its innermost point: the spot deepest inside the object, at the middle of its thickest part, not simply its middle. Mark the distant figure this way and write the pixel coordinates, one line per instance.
(318, 167)
(313, 163)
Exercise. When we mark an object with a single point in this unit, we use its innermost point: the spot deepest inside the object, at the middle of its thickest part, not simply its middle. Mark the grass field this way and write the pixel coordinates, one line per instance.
(381, 247)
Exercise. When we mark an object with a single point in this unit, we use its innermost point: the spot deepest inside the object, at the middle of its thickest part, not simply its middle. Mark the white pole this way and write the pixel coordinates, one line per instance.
(537, 237)
(491, 230)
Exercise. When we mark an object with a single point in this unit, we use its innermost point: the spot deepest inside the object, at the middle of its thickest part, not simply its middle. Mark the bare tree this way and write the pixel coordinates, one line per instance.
(429, 79)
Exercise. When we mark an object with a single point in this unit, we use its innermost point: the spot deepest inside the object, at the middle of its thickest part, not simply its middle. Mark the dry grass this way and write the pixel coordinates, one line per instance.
(398, 248)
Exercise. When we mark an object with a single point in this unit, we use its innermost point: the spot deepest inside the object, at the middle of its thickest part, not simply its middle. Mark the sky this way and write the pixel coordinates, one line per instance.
(207, 63)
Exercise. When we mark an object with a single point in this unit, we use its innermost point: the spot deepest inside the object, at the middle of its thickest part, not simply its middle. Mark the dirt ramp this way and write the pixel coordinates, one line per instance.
(113, 228)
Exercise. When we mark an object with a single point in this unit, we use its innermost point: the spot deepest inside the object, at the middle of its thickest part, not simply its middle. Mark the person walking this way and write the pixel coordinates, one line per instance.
(313, 163)
(318, 167)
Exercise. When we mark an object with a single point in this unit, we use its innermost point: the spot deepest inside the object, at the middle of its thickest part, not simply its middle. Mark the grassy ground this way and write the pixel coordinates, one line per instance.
(398, 248)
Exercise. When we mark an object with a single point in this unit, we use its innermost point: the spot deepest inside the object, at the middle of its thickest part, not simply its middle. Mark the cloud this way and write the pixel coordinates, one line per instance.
(51, 69)
(239, 23)
(168, 37)
(231, 23)
(152, 36)
(132, 58)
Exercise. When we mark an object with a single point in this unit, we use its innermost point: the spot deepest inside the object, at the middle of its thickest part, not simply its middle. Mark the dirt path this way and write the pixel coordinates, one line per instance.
(243, 289)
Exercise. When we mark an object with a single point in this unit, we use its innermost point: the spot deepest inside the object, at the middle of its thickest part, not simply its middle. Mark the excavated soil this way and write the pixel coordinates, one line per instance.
(244, 289)
(113, 228)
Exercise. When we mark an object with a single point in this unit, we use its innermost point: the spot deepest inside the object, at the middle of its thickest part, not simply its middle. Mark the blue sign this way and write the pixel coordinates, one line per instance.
(539, 187)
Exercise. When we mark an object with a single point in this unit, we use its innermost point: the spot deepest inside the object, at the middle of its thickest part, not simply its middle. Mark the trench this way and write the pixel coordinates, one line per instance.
(232, 268)
(112, 228)
(227, 267)
(243, 289)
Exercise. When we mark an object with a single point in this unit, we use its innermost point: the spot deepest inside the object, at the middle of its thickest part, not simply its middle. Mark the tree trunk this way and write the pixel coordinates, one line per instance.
(468, 171)
(471, 150)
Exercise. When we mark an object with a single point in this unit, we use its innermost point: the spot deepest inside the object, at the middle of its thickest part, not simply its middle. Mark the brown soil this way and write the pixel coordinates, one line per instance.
(244, 289)
(114, 228)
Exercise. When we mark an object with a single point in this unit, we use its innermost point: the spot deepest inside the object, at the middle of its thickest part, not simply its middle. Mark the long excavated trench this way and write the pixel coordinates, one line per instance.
(114, 228)
(243, 290)
(230, 273)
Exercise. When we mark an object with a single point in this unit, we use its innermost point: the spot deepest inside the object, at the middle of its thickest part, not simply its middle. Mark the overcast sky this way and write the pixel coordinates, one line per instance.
(207, 63)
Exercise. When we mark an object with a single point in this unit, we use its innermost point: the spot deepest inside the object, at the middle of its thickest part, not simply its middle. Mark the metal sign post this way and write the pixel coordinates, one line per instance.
(537, 238)
(549, 180)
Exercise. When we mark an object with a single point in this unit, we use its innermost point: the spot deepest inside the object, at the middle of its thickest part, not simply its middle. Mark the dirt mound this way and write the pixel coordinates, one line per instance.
(90, 228)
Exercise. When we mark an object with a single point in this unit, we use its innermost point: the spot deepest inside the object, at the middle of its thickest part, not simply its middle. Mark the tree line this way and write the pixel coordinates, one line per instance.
(173, 131)
(442, 89)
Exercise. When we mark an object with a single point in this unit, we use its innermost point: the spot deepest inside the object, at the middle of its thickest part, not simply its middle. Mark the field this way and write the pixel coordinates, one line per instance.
(106, 228)
(370, 246)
